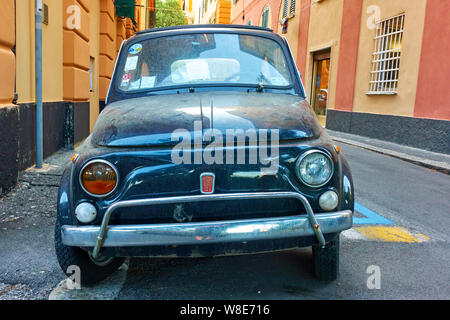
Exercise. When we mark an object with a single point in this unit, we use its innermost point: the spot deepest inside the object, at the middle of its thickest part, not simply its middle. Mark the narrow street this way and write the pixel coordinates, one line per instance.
(401, 227)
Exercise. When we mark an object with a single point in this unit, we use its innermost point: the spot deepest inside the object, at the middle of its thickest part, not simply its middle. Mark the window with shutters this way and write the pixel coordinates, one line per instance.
(288, 8)
(285, 8)
(292, 7)
(265, 17)
(386, 56)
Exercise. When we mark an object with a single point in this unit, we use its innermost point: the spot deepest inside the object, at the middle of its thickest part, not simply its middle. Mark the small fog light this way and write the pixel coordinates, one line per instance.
(329, 200)
(85, 212)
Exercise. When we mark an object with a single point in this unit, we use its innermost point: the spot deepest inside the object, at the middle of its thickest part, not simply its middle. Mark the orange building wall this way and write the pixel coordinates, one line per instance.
(302, 51)
(223, 12)
(107, 52)
(433, 94)
(253, 11)
(7, 58)
(121, 33)
(348, 56)
(76, 56)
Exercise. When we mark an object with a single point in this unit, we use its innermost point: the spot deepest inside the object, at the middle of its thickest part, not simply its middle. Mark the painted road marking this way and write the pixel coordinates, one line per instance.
(370, 216)
(389, 234)
(374, 226)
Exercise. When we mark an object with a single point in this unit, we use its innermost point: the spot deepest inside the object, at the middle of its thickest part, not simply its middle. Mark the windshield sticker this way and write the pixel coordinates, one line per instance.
(125, 80)
(131, 63)
(148, 82)
(135, 49)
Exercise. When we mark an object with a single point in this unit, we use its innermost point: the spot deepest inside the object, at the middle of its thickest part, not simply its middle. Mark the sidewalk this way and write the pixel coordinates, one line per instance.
(29, 269)
(425, 158)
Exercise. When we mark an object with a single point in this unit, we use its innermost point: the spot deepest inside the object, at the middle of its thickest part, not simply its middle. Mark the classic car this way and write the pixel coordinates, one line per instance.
(207, 146)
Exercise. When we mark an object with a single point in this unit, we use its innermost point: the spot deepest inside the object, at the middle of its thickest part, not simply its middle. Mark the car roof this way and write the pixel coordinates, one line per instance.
(203, 27)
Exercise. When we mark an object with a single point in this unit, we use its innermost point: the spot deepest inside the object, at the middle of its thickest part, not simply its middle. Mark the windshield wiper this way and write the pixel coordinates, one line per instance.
(260, 87)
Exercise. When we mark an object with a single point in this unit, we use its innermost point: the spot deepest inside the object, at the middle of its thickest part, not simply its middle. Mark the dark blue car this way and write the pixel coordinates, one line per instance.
(207, 147)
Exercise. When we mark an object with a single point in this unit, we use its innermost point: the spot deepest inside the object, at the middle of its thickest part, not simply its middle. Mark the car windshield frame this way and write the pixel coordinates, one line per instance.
(122, 58)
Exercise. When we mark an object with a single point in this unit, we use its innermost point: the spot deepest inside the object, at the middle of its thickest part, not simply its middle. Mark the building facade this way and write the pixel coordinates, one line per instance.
(370, 67)
(80, 41)
(213, 12)
(188, 8)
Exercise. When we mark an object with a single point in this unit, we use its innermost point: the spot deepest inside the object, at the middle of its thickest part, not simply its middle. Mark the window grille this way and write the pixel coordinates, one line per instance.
(386, 56)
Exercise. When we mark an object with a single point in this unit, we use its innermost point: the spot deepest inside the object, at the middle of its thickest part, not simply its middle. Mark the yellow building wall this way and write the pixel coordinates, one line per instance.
(7, 59)
(403, 102)
(52, 53)
(25, 49)
(324, 33)
(293, 27)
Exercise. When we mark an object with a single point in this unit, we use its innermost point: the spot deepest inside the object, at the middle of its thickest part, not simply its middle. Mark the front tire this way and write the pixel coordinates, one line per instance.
(326, 260)
(91, 272)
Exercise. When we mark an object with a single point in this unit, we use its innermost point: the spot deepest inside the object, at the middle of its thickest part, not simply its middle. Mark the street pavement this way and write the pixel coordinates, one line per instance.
(401, 231)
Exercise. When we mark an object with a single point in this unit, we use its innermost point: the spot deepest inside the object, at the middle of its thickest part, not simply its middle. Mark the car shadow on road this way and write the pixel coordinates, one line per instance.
(275, 275)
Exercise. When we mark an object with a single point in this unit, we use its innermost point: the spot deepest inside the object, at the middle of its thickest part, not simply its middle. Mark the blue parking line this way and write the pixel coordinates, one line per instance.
(370, 216)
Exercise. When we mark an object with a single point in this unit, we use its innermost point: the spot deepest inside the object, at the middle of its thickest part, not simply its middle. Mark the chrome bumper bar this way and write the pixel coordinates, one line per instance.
(206, 232)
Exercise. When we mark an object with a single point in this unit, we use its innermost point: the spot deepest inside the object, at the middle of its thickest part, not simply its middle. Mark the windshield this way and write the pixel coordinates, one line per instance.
(207, 58)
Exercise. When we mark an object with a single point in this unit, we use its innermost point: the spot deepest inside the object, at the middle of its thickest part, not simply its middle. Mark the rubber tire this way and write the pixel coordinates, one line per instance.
(326, 260)
(90, 272)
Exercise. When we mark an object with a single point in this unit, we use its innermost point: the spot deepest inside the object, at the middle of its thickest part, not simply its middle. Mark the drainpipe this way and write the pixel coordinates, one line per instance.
(39, 139)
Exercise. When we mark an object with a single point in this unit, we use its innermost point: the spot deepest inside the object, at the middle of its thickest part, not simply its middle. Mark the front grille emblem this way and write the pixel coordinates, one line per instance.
(207, 181)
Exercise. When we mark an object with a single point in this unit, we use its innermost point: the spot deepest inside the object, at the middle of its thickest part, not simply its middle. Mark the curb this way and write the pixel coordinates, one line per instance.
(108, 289)
(431, 164)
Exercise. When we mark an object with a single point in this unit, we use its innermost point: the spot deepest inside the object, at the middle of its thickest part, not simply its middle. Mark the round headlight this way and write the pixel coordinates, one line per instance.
(99, 178)
(314, 168)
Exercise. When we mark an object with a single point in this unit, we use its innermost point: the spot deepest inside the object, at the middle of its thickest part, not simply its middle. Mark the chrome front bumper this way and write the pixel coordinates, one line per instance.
(206, 232)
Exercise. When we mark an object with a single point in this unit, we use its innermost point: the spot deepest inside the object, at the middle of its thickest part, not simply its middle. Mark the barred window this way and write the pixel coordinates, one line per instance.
(288, 8)
(386, 56)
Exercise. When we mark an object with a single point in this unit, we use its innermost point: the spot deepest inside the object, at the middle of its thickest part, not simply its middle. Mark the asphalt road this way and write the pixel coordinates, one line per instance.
(403, 230)
(415, 199)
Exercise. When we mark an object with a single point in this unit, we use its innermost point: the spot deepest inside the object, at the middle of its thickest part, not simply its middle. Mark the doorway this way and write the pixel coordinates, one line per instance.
(319, 87)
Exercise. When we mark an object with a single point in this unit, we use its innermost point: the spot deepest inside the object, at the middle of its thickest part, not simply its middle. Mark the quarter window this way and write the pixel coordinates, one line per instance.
(386, 56)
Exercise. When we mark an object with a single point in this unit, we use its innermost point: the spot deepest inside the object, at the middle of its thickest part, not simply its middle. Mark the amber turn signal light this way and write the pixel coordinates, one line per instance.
(74, 157)
(99, 178)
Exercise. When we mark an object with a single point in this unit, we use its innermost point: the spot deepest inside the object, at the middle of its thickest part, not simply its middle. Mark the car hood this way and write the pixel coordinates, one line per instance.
(156, 120)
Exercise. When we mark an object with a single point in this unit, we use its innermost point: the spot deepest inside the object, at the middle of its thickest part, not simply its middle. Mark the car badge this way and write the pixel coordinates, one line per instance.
(207, 182)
